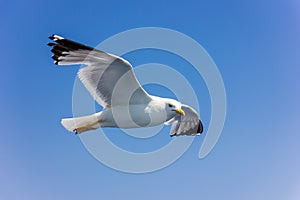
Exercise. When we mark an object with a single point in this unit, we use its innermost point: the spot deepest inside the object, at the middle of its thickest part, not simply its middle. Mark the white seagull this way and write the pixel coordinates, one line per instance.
(111, 81)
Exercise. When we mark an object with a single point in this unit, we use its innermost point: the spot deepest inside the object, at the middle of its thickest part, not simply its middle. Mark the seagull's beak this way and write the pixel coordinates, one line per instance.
(180, 111)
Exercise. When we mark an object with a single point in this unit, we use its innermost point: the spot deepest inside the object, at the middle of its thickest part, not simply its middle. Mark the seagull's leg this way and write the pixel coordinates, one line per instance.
(89, 126)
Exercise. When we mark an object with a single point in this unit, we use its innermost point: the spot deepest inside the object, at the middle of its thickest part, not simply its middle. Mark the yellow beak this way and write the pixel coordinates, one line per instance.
(180, 111)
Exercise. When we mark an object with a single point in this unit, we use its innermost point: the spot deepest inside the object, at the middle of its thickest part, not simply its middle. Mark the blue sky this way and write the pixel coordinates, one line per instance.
(255, 45)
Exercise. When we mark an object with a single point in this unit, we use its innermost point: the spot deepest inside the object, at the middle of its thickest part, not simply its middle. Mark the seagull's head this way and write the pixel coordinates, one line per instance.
(173, 107)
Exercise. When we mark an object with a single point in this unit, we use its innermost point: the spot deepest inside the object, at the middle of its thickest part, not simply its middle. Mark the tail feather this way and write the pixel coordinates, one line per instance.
(81, 124)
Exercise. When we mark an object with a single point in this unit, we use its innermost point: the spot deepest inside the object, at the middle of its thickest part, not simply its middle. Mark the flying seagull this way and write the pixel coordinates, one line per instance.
(111, 81)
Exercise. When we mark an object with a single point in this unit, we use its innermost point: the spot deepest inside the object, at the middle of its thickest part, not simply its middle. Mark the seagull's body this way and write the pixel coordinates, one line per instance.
(111, 81)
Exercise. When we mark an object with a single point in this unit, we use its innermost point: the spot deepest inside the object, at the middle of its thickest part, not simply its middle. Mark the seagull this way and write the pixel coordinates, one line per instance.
(111, 81)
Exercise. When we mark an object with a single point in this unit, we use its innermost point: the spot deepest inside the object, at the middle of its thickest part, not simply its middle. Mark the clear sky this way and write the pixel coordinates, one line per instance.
(255, 45)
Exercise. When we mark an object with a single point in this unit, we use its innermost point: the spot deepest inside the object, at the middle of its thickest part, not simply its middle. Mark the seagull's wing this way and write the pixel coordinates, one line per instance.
(188, 124)
(102, 73)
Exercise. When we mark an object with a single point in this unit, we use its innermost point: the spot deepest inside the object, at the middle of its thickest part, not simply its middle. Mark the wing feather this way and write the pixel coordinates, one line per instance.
(104, 75)
(189, 124)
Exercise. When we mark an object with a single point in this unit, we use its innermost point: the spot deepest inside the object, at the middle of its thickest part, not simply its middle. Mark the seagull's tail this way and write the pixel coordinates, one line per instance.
(82, 124)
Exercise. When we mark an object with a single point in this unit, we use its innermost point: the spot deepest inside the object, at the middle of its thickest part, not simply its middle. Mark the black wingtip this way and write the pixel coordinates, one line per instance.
(51, 44)
(55, 57)
(200, 127)
(174, 134)
(51, 37)
(67, 44)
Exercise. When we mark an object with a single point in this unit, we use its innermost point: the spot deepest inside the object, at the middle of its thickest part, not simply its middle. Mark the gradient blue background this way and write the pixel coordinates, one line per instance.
(255, 44)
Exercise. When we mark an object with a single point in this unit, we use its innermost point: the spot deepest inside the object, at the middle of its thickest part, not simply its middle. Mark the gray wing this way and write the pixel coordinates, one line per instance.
(189, 124)
(105, 75)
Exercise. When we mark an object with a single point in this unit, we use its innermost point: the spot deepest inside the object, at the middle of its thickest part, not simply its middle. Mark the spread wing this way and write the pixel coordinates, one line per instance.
(105, 75)
(189, 124)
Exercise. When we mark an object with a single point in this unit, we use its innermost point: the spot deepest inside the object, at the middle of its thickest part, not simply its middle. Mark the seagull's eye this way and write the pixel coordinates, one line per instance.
(170, 105)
